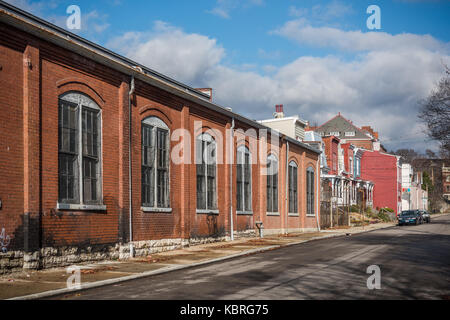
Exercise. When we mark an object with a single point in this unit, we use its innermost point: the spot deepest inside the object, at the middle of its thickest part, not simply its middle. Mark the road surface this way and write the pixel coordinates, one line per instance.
(414, 262)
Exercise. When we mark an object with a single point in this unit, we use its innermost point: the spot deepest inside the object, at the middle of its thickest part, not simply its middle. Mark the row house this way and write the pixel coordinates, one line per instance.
(446, 182)
(413, 196)
(385, 171)
(104, 158)
(344, 148)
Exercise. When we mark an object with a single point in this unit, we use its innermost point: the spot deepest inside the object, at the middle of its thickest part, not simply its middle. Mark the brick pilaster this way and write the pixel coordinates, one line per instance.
(31, 150)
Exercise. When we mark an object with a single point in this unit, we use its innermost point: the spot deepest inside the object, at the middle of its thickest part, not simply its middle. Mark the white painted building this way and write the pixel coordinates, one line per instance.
(413, 196)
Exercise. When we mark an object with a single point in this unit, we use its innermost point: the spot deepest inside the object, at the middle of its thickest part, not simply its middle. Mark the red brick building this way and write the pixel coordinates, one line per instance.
(385, 171)
(88, 142)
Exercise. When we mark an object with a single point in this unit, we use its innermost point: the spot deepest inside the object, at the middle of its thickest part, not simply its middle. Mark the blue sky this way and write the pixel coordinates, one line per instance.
(316, 57)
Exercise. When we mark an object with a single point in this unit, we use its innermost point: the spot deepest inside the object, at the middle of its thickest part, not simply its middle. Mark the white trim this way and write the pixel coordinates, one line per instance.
(83, 101)
(207, 211)
(81, 207)
(296, 119)
(206, 137)
(291, 214)
(151, 209)
(272, 213)
(156, 123)
(244, 213)
(244, 150)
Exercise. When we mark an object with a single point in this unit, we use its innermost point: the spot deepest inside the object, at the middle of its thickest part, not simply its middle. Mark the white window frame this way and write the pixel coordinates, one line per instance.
(156, 123)
(243, 150)
(335, 133)
(83, 101)
(293, 164)
(206, 137)
(271, 158)
(310, 202)
(350, 133)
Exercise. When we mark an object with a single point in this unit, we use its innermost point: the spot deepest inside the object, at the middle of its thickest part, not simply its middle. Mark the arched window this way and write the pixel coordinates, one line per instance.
(293, 199)
(206, 172)
(310, 191)
(243, 180)
(272, 183)
(79, 150)
(155, 163)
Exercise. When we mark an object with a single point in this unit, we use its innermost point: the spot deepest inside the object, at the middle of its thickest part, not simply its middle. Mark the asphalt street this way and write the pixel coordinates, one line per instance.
(414, 262)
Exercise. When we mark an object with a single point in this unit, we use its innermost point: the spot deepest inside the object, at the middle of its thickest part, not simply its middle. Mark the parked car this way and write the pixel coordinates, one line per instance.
(410, 217)
(426, 216)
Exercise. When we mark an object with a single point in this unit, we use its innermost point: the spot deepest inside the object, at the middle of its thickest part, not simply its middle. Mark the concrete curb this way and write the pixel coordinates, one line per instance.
(101, 283)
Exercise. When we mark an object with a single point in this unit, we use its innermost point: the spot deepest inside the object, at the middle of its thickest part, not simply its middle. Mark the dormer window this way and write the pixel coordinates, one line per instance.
(334, 133)
(350, 134)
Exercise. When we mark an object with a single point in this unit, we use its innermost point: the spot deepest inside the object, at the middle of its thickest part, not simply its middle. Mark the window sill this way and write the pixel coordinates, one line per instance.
(207, 211)
(310, 215)
(272, 213)
(245, 213)
(80, 207)
(293, 215)
(156, 210)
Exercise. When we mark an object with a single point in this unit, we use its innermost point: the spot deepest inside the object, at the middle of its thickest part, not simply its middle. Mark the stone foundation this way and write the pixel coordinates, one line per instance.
(51, 257)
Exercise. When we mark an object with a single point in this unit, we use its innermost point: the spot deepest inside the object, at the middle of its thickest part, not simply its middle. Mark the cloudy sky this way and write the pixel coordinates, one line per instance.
(317, 58)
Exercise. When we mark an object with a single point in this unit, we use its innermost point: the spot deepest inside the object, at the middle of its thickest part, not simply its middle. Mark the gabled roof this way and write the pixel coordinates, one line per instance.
(341, 124)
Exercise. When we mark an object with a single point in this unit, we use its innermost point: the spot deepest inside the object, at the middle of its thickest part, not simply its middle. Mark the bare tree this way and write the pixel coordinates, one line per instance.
(408, 155)
(435, 112)
(430, 154)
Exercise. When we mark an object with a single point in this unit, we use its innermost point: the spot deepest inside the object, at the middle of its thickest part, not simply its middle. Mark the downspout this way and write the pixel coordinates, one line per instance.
(231, 178)
(287, 185)
(317, 195)
(131, 92)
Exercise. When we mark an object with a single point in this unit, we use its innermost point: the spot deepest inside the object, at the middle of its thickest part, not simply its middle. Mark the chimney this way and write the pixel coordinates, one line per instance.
(278, 112)
(207, 91)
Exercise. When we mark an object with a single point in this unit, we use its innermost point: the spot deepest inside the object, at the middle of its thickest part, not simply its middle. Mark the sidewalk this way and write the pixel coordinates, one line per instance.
(43, 283)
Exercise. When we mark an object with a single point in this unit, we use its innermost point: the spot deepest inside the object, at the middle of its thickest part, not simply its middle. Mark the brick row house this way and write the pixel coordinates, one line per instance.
(345, 145)
(103, 158)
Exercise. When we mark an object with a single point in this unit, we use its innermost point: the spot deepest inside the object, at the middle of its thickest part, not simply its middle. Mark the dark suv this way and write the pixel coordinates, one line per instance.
(410, 217)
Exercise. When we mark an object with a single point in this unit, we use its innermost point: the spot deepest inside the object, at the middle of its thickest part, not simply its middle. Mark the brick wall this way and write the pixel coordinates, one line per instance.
(33, 74)
(381, 169)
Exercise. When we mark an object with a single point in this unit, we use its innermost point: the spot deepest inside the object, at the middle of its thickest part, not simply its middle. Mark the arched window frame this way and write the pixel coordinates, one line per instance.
(206, 172)
(310, 188)
(272, 185)
(80, 182)
(293, 187)
(155, 165)
(243, 180)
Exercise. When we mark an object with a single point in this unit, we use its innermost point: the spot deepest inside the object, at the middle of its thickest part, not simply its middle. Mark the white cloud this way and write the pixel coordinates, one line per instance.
(186, 57)
(34, 7)
(92, 22)
(379, 86)
(303, 33)
(223, 8)
(330, 14)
